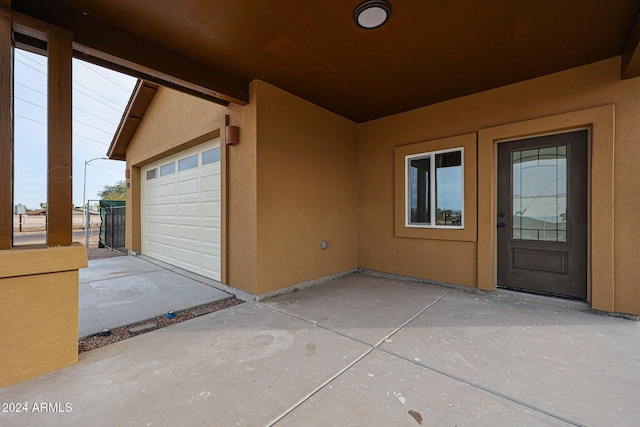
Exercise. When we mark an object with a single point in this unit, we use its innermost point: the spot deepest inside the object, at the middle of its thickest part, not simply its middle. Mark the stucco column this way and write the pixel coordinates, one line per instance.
(6, 133)
(59, 149)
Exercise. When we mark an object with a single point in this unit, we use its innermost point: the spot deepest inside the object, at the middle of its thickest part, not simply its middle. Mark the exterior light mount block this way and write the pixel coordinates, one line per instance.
(232, 135)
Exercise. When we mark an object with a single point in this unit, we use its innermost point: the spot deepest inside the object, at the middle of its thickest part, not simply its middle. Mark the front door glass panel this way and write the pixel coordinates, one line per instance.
(539, 194)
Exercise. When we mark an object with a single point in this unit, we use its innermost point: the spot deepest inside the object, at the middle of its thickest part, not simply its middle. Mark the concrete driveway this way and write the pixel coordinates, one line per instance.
(361, 350)
(124, 290)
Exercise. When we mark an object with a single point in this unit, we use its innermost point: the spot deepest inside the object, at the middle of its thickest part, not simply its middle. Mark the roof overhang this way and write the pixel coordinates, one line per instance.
(631, 54)
(141, 97)
(427, 52)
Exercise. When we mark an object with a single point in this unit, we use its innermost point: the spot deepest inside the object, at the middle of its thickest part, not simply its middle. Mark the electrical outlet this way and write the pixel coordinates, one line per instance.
(323, 245)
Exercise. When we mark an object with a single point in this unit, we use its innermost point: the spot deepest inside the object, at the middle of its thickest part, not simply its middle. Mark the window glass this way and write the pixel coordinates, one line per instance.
(168, 169)
(211, 156)
(152, 173)
(449, 188)
(435, 180)
(419, 190)
(188, 163)
(539, 194)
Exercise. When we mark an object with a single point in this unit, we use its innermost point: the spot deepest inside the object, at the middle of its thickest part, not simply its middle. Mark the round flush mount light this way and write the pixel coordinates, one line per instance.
(372, 14)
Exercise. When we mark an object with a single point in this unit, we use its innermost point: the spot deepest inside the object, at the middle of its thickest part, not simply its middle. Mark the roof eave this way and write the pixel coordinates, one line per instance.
(141, 97)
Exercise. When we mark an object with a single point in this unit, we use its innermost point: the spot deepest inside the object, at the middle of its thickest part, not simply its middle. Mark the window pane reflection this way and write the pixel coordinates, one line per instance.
(188, 163)
(449, 188)
(419, 190)
(539, 197)
(211, 156)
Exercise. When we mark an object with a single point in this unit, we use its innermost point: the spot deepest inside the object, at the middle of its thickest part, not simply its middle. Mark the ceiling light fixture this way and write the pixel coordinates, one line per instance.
(372, 14)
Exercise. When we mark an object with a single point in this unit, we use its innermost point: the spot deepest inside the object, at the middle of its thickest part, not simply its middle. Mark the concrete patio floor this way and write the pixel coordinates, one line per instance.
(120, 291)
(361, 350)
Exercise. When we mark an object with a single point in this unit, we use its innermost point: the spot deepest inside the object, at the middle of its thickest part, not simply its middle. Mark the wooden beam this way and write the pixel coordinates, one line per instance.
(631, 53)
(28, 33)
(59, 148)
(121, 48)
(6, 135)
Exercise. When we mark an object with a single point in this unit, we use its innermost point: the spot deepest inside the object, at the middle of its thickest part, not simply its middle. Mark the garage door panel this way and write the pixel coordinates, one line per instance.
(211, 210)
(167, 249)
(152, 218)
(210, 183)
(209, 262)
(166, 210)
(168, 230)
(189, 233)
(188, 186)
(189, 209)
(167, 190)
(181, 213)
(152, 246)
(210, 235)
(151, 193)
(210, 222)
(189, 257)
(153, 229)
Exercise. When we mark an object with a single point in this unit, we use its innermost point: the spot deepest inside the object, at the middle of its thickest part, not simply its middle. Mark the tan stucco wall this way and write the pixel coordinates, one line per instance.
(242, 219)
(173, 122)
(302, 174)
(306, 190)
(456, 262)
(38, 310)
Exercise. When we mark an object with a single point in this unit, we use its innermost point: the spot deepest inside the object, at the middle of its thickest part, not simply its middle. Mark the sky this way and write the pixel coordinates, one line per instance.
(449, 188)
(99, 99)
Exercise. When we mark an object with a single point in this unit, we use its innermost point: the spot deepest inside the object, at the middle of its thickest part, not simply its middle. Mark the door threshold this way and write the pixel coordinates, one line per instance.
(542, 298)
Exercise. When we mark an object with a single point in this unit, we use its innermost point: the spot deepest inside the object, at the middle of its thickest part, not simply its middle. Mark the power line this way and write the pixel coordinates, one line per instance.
(76, 89)
(29, 102)
(75, 134)
(32, 60)
(92, 126)
(95, 115)
(75, 120)
(75, 107)
(106, 77)
(32, 120)
(31, 66)
(96, 99)
(77, 82)
(91, 139)
(30, 88)
(97, 93)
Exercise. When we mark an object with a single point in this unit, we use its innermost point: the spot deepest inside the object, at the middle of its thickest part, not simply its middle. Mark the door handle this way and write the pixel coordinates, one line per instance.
(501, 225)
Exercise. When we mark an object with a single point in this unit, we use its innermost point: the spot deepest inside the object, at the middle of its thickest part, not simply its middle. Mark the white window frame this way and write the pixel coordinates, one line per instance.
(432, 189)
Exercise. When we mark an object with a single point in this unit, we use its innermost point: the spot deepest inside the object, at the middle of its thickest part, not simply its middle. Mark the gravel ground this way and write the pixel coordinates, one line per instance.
(100, 253)
(94, 252)
(122, 333)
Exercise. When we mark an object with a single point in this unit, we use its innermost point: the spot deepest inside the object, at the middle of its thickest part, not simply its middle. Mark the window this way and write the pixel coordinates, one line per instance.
(168, 169)
(188, 163)
(434, 187)
(211, 156)
(152, 174)
(539, 194)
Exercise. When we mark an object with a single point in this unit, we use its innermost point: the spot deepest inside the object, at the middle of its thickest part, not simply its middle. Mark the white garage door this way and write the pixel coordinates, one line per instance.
(181, 209)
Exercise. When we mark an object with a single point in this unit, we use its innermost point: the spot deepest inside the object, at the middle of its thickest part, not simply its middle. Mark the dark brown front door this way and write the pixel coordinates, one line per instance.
(542, 214)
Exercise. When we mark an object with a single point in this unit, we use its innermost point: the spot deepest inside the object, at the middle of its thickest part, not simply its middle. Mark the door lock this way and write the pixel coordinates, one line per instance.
(501, 225)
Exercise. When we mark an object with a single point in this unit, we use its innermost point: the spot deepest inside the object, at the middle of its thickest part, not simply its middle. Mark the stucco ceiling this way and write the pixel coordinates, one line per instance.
(429, 51)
